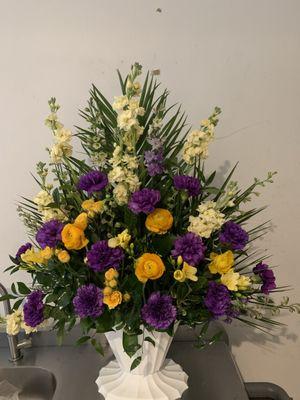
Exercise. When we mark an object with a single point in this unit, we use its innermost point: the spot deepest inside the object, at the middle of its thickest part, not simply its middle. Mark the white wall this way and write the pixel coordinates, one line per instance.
(242, 55)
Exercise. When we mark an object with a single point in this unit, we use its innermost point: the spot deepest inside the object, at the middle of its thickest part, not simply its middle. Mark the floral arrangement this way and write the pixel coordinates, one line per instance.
(135, 234)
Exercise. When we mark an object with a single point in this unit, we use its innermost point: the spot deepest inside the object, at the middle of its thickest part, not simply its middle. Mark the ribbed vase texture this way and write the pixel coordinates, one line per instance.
(155, 378)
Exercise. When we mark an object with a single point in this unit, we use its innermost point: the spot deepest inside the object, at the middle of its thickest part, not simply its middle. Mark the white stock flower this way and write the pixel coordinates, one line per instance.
(43, 199)
(62, 135)
(209, 220)
(196, 145)
(13, 323)
(120, 102)
(53, 213)
(126, 120)
(121, 194)
(60, 150)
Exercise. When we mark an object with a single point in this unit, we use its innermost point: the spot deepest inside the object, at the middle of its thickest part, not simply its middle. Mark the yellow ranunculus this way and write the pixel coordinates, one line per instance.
(81, 221)
(221, 263)
(159, 221)
(92, 207)
(149, 266)
(73, 237)
(63, 256)
(113, 300)
(111, 273)
(230, 280)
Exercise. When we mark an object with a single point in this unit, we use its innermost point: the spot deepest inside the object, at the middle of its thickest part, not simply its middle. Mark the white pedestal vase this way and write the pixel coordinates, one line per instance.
(156, 378)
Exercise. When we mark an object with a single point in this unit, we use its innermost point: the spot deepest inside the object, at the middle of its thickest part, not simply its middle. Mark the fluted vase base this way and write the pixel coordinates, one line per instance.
(166, 384)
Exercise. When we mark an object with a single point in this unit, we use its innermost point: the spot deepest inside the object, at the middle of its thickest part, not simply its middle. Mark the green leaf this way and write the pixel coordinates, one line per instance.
(97, 346)
(135, 363)
(130, 343)
(149, 339)
(82, 340)
(22, 288)
(17, 304)
(7, 297)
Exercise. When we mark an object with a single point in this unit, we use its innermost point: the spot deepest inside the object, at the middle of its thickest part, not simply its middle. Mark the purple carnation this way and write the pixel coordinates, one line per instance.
(267, 277)
(234, 235)
(88, 301)
(101, 256)
(188, 183)
(49, 234)
(190, 247)
(159, 312)
(154, 161)
(144, 200)
(22, 250)
(34, 309)
(217, 300)
(93, 181)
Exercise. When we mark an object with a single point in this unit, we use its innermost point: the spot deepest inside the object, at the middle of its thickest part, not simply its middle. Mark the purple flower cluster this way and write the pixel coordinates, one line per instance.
(49, 234)
(234, 235)
(144, 200)
(154, 161)
(88, 301)
(22, 250)
(267, 277)
(190, 247)
(34, 309)
(188, 183)
(101, 256)
(217, 299)
(93, 181)
(159, 312)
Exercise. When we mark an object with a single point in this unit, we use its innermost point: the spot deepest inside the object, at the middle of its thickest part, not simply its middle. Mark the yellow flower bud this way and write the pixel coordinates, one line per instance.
(113, 283)
(107, 291)
(179, 275)
(179, 260)
(63, 256)
(111, 273)
(126, 297)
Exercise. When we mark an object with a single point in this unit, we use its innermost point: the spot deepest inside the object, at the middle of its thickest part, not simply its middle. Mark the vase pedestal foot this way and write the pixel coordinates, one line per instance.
(166, 384)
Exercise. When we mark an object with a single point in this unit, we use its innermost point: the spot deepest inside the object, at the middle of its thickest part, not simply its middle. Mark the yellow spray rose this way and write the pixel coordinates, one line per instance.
(107, 291)
(111, 273)
(81, 221)
(221, 263)
(73, 237)
(63, 256)
(113, 300)
(159, 221)
(230, 280)
(92, 207)
(149, 266)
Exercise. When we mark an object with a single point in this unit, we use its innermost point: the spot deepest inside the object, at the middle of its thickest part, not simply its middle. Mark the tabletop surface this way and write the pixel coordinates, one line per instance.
(212, 372)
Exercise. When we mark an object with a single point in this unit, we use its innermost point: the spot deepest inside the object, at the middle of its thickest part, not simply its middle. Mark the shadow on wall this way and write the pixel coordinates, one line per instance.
(240, 333)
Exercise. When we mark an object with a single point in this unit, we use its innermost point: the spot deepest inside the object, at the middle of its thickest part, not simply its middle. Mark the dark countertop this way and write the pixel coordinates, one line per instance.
(212, 372)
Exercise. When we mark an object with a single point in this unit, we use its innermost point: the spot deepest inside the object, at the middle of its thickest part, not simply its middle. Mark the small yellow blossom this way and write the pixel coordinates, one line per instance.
(107, 291)
(121, 240)
(81, 221)
(113, 300)
(126, 297)
(221, 263)
(111, 273)
(63, 256)
(187, 272)
(230, 280)
(92, 207)
(244, 282)
(113, 283)
(37, 257)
